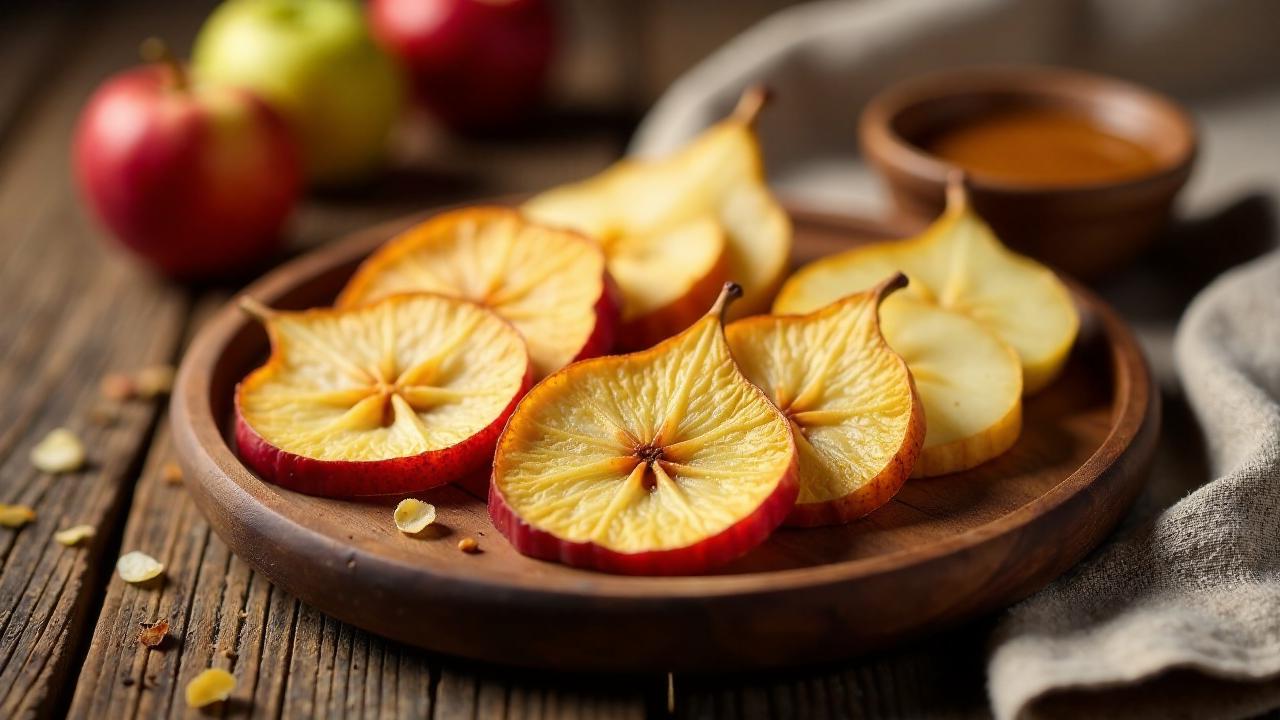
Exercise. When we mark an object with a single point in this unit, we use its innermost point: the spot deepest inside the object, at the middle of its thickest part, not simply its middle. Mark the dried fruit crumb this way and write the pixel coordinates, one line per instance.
(59, 452)
(74, 535)
(152, 635)
(154, 381)
(137, 567)
(413, 516)
(104, 415)
(210, 686)
(171, 473)
(15, 516)
(469, 545)
(117, 387)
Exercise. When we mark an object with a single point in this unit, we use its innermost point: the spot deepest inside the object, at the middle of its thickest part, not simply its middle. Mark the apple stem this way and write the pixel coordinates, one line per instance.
(154, 50)
(255, 309)
(957, 194)
(750, 104)
(890, 285)
(732, 291)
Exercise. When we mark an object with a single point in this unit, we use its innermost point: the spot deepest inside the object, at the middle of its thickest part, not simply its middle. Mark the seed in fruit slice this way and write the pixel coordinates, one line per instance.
(689, 259)
(665, 461)
(719, 174)
(857, 420)
(550, 284)
(958, 264)
(401, 395)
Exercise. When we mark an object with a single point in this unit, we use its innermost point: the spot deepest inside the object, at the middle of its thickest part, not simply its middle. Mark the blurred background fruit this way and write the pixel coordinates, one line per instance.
(315, 61)
(474, 64)
(197, 180)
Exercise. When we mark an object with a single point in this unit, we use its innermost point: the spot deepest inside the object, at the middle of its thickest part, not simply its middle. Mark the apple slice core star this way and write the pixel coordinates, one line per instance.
(857, 420)
(401, 395)
(665, 461)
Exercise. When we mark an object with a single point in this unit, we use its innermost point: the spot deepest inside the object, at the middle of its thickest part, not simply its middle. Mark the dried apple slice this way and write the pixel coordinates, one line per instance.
(665, 461)
(401, 395)
(719, 174)
(857, 420)
(550, 284)
(958, 264)
(690, 260)
(969, 381)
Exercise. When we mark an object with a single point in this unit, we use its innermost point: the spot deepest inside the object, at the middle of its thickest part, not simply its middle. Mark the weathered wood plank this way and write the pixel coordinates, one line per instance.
(75, 311)
(34, 37)
(290, 660)
(939, 677)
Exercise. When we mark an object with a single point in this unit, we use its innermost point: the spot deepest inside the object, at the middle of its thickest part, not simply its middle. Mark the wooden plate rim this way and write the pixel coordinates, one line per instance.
(192, 420)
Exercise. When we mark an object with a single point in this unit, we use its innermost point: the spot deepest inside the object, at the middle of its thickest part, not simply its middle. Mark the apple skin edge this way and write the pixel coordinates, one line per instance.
(649, 330)
(152, 162)
(360, 478)
(608, 309)
(729, 544)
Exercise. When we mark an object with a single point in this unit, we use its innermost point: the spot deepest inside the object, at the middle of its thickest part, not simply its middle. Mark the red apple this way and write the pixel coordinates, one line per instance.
(475, 64)
(196, 180)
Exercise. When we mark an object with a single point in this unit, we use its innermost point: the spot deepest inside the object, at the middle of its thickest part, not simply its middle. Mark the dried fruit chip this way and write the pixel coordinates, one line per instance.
(59, 452)
(15, 516)
(153, 634)
(74, 535)
(413, 516)
(154, 381)
(117, 387)
(104, 415)
(171, 473)
(210, 686)
(136, 567)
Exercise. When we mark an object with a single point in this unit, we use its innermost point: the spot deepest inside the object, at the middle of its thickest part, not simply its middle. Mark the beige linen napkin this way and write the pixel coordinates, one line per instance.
(1195, 594)
(1179, 616)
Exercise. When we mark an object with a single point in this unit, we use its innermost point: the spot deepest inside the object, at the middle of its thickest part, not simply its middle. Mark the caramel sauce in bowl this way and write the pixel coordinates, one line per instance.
(1075, 169)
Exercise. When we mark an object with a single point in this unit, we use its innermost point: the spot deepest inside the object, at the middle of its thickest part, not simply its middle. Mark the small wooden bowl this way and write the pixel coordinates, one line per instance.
(943, 550)
(1085, 230)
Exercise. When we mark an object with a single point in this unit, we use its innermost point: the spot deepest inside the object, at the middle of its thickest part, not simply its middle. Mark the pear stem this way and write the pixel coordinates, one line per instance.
(154, 50)
(732, 291)
(957, 194)
(890, 285)
(255, 309)
(750, 104)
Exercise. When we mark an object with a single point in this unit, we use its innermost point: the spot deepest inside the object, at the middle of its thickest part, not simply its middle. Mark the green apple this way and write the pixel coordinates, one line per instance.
(315, 61)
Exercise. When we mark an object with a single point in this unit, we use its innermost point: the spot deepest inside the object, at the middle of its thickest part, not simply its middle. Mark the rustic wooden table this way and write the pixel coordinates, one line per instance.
(75, 310)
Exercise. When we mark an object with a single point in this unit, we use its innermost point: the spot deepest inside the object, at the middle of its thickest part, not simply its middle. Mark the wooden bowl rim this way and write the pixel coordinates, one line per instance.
(198, 436)
(879, 139)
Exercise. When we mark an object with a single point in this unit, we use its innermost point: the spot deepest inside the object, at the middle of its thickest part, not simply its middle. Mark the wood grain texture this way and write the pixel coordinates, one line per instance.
(290, 660)
(942, 677)
(943, 550)
(74, 311)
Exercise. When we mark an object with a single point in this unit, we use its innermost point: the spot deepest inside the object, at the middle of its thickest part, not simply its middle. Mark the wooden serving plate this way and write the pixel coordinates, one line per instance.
(945, 549)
